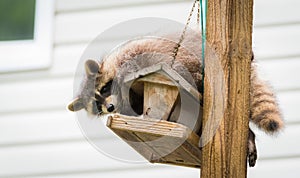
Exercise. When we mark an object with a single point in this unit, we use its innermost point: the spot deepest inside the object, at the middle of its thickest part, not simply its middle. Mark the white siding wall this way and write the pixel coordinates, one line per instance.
(38, 137)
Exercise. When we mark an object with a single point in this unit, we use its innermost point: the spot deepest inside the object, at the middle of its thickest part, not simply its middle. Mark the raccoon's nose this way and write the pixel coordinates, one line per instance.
(110, 108)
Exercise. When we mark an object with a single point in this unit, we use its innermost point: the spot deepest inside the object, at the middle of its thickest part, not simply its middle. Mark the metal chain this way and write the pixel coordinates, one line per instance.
(198, 14)
(176, 48)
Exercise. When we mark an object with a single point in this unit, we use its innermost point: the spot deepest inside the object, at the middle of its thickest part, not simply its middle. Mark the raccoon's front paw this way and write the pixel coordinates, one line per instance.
(252, 153)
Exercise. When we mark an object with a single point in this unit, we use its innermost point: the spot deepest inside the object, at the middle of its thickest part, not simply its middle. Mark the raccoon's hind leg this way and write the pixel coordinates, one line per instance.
(252, 152)
(264, 110)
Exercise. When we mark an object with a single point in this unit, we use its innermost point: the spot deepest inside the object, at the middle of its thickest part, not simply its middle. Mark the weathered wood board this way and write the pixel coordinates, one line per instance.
(158, 141)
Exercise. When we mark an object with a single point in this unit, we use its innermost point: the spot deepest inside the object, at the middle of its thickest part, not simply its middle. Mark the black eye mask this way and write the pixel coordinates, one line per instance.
(106, 89)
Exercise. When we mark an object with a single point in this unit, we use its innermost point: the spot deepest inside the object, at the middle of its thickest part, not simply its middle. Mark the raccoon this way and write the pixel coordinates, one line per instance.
(100, 93)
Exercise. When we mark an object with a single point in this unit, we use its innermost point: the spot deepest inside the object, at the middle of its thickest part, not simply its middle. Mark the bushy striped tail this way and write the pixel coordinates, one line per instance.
(264, 112)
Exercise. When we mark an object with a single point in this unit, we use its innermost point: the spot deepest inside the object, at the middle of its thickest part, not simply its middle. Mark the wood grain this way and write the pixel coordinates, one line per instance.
(226, 104)
(158, 141)
(159, 100)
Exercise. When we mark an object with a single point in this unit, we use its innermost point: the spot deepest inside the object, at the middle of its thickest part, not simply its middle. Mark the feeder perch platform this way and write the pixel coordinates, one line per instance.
(158, 141)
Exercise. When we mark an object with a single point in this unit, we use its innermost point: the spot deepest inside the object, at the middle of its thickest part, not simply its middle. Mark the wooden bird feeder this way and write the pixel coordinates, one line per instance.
(167, 132)
(229, 30)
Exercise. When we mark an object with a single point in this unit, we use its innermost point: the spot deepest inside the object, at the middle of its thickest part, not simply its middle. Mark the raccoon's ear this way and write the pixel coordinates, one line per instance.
(91, 67)
(76, 105)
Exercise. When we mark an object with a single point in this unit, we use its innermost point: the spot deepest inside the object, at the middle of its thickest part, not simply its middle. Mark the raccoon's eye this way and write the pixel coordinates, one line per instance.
(105, 91)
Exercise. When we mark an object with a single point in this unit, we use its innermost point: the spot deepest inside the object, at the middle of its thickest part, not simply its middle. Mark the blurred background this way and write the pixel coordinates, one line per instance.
(41, 42)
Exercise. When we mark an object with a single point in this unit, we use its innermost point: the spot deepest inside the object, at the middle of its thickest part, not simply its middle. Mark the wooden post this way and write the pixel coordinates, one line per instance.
(229, 33)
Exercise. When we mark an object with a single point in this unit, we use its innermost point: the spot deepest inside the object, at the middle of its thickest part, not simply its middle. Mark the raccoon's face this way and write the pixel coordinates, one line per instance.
(96, 95)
